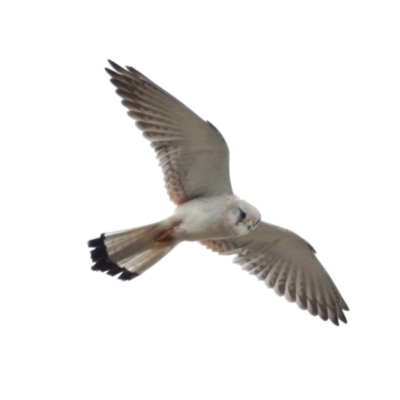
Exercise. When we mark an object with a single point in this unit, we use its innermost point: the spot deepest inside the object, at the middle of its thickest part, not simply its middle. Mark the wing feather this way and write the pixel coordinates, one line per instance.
(286, 263)
(192, 153)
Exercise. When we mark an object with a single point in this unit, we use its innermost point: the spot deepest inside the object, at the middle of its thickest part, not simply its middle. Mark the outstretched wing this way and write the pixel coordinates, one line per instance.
(192, 153)
(287, 263)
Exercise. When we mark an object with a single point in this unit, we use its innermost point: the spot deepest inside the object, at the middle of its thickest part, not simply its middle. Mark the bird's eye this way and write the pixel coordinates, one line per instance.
(242, 214)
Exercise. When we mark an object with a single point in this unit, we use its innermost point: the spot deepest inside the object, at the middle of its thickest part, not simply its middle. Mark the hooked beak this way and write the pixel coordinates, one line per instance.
(251, 223)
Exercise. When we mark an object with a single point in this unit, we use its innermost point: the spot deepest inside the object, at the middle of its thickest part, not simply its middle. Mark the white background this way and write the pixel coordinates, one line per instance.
(306, 94)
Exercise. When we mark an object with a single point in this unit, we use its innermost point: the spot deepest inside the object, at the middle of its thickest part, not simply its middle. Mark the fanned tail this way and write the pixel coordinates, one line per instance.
(130, 252)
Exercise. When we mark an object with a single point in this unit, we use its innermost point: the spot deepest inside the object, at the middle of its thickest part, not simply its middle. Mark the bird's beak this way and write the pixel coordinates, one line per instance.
(250, 221)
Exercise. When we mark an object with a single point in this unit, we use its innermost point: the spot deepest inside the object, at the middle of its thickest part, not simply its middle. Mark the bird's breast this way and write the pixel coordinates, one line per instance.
(201, 219)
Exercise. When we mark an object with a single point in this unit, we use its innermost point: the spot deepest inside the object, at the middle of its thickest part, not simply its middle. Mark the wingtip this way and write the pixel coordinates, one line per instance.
(345, 306)
(342, 317)
(113, 64)
(117, 67)
(109, 71)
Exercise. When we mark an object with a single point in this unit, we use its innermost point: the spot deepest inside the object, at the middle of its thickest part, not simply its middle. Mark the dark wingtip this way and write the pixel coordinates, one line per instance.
(335, 321)
(113, 64)
(116, 67)
(110, 72)
(342, 317)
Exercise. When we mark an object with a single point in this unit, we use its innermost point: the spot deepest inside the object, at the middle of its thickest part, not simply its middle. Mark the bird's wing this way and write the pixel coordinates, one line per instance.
(287, 263)
(192, 153)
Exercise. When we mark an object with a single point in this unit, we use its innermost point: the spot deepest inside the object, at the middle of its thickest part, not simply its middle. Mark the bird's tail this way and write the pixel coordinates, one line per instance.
(131, 252)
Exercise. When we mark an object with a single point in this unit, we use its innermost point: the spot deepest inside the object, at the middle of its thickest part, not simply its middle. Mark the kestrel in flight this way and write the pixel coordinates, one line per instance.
(194, 158)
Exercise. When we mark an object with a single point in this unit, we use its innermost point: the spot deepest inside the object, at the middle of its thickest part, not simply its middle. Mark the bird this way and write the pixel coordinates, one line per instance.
(194, 158)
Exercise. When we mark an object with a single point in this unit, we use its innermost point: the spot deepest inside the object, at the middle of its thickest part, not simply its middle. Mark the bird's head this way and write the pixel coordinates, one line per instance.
(244, 217)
